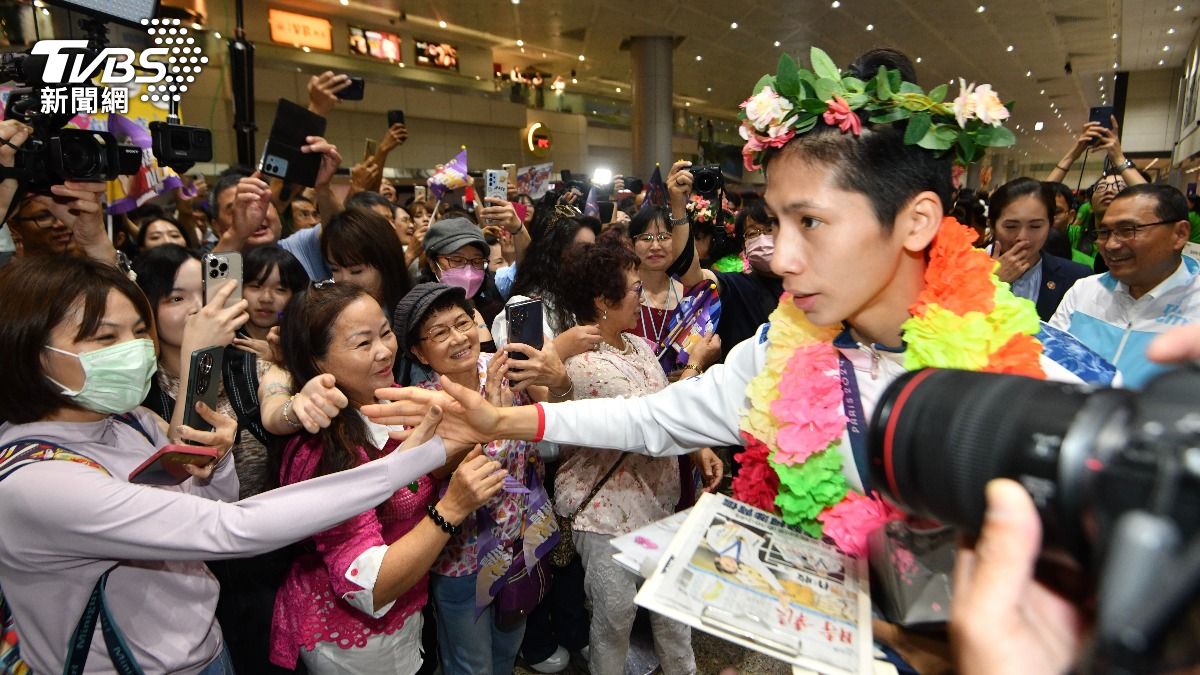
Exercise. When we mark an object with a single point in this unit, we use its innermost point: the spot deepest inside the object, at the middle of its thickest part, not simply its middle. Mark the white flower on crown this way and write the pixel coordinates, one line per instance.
(766, 110)
(981, 103)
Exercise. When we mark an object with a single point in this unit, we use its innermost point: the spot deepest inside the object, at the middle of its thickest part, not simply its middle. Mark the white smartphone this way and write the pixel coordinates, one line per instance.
(219, 269)
(495, 184)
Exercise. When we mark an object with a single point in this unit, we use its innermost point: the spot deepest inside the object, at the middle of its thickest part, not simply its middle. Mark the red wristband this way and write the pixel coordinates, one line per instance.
(541, 428)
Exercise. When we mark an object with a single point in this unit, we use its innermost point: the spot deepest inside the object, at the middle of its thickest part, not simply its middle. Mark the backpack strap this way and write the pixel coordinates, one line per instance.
(22, 453)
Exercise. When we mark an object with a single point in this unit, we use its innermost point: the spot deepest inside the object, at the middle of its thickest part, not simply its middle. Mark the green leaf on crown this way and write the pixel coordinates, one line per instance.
(822, 65)
(883, 88)
(854, 85)
(813, 105)
(918, 126)
(763, 82)
(826, 88)
(995, 137)
(892, 115)
(910, 88)
(938, 93)
(787, 77)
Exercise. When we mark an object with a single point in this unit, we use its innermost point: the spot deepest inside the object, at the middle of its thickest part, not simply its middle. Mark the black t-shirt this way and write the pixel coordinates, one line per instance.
(746, 302)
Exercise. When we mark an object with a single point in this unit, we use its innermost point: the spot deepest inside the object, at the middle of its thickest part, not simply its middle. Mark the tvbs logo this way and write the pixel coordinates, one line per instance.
(165, 70)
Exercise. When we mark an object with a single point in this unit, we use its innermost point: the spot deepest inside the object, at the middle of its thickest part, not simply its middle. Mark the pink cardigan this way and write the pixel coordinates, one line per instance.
(309, 607)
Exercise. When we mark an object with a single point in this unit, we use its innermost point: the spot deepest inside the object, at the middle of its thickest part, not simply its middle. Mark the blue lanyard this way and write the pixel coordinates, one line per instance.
(856, 423)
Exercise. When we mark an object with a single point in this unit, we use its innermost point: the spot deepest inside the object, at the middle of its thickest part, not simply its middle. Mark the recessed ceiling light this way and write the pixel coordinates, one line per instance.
(582, 57)
(543, 55)
(344, 2)
(980, 9)
(516, 2)
(1100, 78)
(1009, 49)
(1114, 35)
(1115, 66)
(710, 90)
(1042, 92)
(618, 90)
(777, 43)
(835, 4)
(1166, 48)
(1160, 62)
(1170, 31)
(306, 49)
(699, 58)
(441, 24)
(918, 59)
(520, 43)
(870, 26)
(217, 35)
(733, 26)
(687, 104)
(574, 80)
(1038, 126)
(1178, 8)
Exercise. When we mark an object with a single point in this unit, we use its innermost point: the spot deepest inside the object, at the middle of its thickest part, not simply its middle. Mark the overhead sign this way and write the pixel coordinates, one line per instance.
(538, 140)
(300, 30)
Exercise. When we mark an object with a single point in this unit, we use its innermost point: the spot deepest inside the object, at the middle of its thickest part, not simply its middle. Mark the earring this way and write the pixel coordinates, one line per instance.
(604, 315)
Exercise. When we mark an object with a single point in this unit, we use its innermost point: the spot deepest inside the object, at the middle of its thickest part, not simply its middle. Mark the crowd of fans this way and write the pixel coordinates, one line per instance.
(336, 553)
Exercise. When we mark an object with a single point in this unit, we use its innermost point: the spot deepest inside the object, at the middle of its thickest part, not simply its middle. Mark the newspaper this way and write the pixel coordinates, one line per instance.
(739, 573)
(639, 551)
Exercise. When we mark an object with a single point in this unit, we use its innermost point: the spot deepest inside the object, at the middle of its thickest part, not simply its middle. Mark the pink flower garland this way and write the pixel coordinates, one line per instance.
(849, 522)
(809, 407)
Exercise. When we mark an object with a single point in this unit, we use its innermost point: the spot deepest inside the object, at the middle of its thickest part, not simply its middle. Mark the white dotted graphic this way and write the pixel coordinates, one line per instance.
(183, 63)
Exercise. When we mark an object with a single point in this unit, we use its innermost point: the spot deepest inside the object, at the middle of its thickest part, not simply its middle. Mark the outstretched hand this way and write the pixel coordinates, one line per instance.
(467, 418)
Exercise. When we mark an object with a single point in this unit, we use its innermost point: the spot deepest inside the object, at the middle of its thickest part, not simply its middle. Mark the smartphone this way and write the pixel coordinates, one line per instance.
(495, 184)
(204, 383)
(395, 117)
(524, 325)
(1101, 114)
(606, 211)
(512, 172)
(354, 92)
(220, 269)
(372, 147)
(283, 156)
(419, 193)
(165, 467)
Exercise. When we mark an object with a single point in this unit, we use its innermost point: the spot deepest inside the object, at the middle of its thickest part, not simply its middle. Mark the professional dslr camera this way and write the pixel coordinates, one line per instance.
(707, 180)
(1115, 475)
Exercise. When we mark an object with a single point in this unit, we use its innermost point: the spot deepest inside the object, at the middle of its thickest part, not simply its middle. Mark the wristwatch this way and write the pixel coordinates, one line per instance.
(1127, 164)
(676, 222)
(124, 265)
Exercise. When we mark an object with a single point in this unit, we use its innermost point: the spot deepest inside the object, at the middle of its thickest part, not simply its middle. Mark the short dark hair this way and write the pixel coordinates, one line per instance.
(539, 273)
(1061, 190)
(645, 218)
(227, 181)
(260, 260)
(1169, 203)
(756, 211)
(597, 271)
(1016, 189)
(878, 163)
(156, 270)
(444, 302)
(34, 299)
(362, 237)
(305, 333)
(189, 238)
(368, 199)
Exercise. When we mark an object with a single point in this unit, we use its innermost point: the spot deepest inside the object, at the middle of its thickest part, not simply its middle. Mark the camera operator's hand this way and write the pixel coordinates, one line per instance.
(331, 159)
(679, 187)
(396, 135)
(251, 202)
(80, 206)
(1002, 620)
(12, 135)
(323, 89)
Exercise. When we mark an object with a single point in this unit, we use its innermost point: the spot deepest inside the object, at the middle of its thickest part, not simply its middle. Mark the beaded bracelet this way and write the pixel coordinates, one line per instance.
(441, 522)
(287, 409)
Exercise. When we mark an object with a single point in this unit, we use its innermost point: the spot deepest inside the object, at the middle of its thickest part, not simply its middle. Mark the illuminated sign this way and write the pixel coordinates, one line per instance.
(538, 140)
(437, 54)
(300, 30)
(375, 43)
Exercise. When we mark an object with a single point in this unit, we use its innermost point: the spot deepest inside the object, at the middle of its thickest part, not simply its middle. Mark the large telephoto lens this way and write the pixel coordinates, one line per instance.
(938, 436)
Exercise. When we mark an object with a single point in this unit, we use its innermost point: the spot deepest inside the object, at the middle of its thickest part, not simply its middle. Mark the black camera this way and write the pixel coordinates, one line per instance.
(179, 146)
(1115, 475)
(707, 180)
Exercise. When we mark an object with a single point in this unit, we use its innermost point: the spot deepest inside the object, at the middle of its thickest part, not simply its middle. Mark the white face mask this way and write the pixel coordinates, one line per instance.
(116, 379)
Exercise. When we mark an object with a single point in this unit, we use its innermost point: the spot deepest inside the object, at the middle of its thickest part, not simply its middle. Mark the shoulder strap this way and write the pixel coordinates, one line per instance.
(131, 420)
(596, 490)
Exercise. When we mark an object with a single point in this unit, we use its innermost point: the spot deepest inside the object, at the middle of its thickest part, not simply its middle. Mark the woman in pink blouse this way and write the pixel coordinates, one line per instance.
(352, 602)
(603, 289)
(509, 534)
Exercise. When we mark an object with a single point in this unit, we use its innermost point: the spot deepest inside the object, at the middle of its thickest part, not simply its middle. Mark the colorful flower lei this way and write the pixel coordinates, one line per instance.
(702, 211)
(964, 318)
(791, 102)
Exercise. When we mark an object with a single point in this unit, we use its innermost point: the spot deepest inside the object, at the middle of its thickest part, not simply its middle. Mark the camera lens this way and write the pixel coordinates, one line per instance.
(212, 274)
(79, 160)
(224, 268)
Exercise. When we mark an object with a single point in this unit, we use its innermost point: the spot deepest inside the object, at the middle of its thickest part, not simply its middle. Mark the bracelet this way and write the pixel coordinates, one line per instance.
(676, 222)
(441, 522)
(698, 369)
(1127, 164)
(565, 394)
(1060, 167)
(287, 409)
(516, 231)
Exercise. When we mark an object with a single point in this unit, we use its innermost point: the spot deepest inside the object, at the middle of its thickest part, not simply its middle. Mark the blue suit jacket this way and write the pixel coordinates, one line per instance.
(1058, 275)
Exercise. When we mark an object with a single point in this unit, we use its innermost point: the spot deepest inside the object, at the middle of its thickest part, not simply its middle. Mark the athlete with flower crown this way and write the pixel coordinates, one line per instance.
(878, 282)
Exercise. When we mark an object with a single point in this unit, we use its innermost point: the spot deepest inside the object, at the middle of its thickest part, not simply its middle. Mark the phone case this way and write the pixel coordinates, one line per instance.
(165, 467)
(355, 91)
(524, 325)
(219, 269)
(395, 117)
(204, 383)
(282, 156)
(495, 182)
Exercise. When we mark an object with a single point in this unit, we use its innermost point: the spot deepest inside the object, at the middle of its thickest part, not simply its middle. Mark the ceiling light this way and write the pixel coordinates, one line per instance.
(1115, 66)
(581, 57)
(777, 43)
(401, 64)
(516, 2)
(574, 80)
(1009, 49)
(710, 90)
(1170, 31)
(835, 4)
(522, 50)
(344, 2)
(1028, 73)
(1166, 48)
(618, 90)
(1160, 62)
(687, 104)
(1037, 126)
(1178, 8)
(306, 49)
(1042, 92)
(733, 26)
(1101, 78)
(441, 24)
(980, 9)
(1114, 35)
(520, 43)
(543, 55)
(870, 26)
(217, 35)
(699, 58)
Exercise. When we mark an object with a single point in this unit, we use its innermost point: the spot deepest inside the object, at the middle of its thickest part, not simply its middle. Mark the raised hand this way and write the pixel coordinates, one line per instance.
(323, 89)
(215, 324)
(221, 438)
(318, 402)
(331, 159)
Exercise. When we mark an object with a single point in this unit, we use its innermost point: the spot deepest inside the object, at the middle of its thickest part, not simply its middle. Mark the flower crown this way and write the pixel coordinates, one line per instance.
(701, 210)
(791, 101)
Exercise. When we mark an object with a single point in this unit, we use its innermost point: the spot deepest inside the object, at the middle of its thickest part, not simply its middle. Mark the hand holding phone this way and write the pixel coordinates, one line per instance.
(354, 91)
(166, 466)
(204, 384)
(524, 325)
(395, 117)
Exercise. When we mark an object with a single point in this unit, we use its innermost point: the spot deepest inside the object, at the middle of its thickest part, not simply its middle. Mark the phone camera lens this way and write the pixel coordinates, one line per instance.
(224, 268)
(212, 274)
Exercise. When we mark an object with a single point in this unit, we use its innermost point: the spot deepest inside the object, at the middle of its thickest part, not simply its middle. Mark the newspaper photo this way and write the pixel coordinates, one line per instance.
(639, 551)
(741, 574)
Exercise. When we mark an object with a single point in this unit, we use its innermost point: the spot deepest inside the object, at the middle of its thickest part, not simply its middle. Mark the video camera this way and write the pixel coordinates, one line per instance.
(1115, 475)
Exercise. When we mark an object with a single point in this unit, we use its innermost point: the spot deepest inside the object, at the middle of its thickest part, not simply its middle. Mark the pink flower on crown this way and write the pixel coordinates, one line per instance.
(964, 104)
(840, 115)
(988, 106)
(767, 109)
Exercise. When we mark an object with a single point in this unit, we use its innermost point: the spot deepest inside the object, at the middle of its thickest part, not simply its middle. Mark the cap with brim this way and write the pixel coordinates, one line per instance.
(412, 308)
(449, 235)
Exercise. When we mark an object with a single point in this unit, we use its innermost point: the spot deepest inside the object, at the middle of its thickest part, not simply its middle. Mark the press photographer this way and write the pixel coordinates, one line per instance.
(1113, 500)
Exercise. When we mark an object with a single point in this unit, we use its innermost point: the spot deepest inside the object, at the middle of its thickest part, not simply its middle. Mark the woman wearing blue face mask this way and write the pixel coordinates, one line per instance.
(76, 534)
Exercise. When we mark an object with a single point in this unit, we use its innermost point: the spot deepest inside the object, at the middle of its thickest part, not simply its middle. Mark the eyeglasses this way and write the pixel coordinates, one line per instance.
(636, 289)
(661, 237)
(754, 233)
(457, 261)
(440, 334)
(45, 220)
(1111, 186)
(1127, 232)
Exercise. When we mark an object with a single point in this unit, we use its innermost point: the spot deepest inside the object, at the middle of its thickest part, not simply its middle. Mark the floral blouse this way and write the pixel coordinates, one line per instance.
(644, 489)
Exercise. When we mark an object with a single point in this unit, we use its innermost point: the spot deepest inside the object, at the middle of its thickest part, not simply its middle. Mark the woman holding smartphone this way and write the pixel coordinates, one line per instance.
(352, 603)
(75, 338)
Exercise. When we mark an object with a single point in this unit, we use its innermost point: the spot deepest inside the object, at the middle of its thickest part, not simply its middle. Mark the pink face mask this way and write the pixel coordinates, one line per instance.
(759, 251)
(465, 277)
